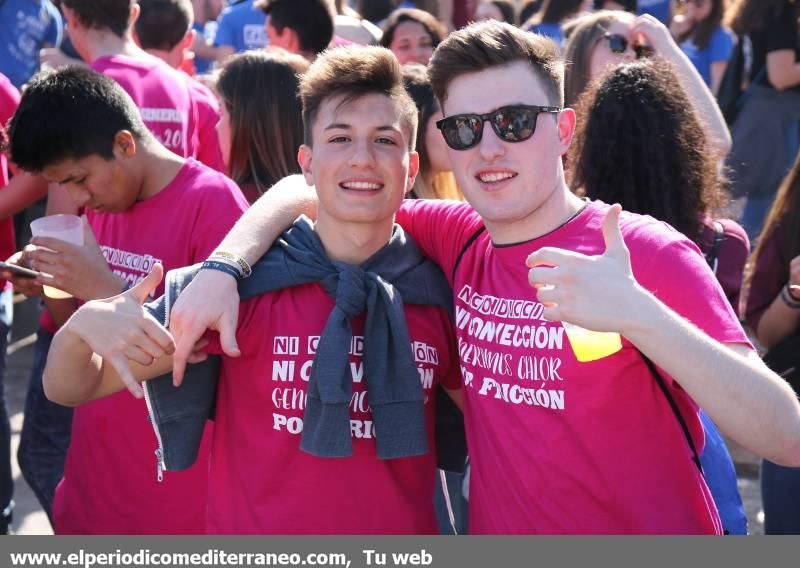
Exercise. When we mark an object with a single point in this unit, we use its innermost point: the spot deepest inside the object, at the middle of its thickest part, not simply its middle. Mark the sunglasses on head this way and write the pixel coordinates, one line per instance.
(515, 123)
(618, 43)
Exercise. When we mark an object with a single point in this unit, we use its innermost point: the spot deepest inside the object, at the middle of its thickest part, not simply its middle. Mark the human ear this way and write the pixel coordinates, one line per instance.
(566, 128)
(305, 159)
(124, 144)
(413, 170)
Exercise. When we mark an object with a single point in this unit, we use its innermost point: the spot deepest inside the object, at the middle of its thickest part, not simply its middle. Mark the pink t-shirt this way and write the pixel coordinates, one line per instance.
(177, 110)
(110, 484)
(260, 480)
(9, 100)
(208, 149)
(559, 446)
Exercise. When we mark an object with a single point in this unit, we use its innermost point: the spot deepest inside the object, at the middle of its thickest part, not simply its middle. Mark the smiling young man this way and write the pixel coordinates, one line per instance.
(145, 205)
(330, 405)
(558, 445)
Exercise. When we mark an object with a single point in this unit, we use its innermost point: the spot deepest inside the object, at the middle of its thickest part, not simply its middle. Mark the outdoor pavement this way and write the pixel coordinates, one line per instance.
(30, 519)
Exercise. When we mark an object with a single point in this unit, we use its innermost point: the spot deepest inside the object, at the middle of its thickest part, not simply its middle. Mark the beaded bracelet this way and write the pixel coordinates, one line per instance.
(222, 267)
(788, 299)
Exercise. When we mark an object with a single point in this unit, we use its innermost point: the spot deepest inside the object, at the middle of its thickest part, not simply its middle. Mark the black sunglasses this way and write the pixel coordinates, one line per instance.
(515, 123)
(618, 43)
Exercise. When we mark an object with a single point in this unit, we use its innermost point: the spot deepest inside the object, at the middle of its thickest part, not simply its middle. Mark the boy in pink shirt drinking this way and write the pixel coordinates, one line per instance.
(145, 205)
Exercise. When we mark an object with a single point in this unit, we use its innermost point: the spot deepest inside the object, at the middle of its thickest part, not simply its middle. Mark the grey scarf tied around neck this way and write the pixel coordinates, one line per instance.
(396, 274)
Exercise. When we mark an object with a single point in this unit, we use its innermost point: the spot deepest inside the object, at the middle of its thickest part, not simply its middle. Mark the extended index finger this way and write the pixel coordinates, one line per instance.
(120, 364)
(185, 340)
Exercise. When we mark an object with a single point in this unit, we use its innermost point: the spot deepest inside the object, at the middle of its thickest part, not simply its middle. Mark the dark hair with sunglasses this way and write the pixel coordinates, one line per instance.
(581, 37)
(640, 143)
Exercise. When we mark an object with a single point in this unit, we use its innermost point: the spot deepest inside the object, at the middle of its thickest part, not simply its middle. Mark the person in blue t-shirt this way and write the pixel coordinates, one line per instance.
(241, 26)
(702, 37)
(206, 13)
(659, 9)
(552, 15)
(26, 26)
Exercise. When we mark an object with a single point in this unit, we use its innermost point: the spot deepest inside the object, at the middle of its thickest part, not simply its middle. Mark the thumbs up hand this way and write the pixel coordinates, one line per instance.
(594, 292)
(119, 329)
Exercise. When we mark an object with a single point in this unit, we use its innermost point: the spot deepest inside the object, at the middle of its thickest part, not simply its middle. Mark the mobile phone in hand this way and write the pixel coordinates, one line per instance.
(20, 271)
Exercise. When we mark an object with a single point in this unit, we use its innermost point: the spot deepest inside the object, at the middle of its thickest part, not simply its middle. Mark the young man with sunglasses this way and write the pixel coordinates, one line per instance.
(562, 441)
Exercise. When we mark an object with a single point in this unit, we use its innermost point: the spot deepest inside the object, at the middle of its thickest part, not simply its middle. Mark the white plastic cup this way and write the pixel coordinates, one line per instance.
(68, 228)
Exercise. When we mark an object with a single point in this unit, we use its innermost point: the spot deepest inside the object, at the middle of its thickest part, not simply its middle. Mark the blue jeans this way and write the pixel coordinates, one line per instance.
(45, 433)
(780, 492)
(6, 479)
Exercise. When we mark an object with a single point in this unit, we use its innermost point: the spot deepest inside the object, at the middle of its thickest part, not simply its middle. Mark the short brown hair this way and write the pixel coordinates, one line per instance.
(484, 45)
(354, 72)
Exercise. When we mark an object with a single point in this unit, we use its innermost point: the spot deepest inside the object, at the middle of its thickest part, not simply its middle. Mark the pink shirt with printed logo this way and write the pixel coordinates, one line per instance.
(110, 484)
(559, 446)
(180, 112)
(260, 480)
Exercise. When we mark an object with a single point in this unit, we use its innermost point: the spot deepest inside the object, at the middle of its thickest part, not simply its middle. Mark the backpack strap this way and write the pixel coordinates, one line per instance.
(713, 254)
(468, 244)
(674, 406)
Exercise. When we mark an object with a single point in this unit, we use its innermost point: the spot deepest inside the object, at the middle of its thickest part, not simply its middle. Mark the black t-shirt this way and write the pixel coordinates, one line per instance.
(781, 32)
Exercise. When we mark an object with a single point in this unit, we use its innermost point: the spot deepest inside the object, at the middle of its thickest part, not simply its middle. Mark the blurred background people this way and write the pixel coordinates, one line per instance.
(599, 41)
(766, 131)
(553, 15)
(304, 27)
(26, 26)
(705, 40)
(659, 9)
(500, 10)
(527, 9)
(412, 35)
(261, 126)
(626, 5)
(240, 27)
(435, 179)
(772, 310)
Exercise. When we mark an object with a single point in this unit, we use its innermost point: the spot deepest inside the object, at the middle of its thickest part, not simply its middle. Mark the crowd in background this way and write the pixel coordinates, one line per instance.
(687, 111)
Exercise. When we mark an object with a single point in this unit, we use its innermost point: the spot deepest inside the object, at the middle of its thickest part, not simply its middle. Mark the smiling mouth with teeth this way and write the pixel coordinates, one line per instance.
(361, 185)
(495, 177)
